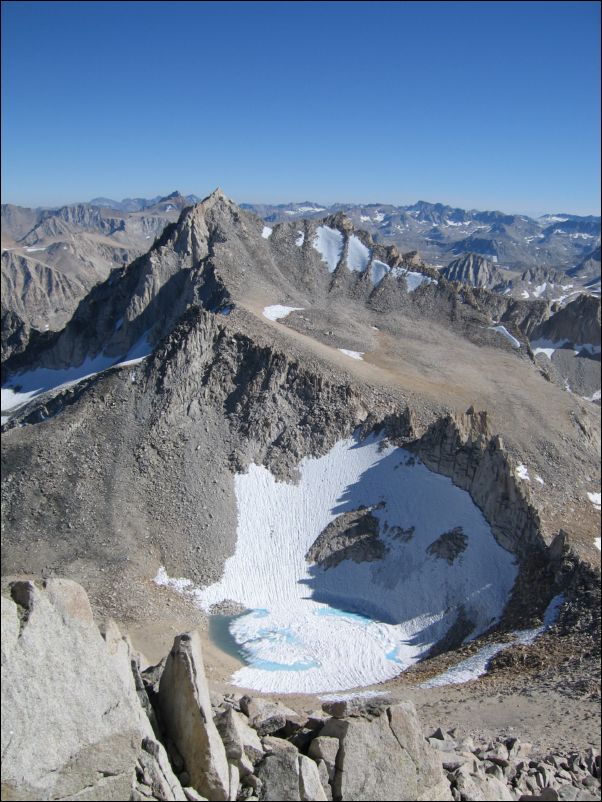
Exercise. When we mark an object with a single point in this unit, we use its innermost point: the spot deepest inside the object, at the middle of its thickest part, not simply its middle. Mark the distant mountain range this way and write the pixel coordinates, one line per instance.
(441, 232)
(138, 204)
(52, 257)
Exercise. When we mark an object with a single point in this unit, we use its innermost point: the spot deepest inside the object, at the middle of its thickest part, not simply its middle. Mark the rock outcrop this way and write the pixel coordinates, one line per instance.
(74, 728)
(578, 322)
(385, 757)
(474, 269)
(72, 724)
(351, 536)
(188, 720)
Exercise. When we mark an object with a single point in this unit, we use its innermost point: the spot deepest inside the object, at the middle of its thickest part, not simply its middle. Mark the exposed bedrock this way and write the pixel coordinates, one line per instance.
(351, 536)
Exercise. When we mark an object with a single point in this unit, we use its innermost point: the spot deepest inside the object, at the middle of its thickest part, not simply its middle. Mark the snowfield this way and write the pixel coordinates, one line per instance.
(352, 354)
(310, 629)
(22, 387)
(276, 312)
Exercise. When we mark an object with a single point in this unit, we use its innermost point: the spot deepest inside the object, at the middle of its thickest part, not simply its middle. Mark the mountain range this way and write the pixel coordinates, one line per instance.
(52, 257)
(367, 472)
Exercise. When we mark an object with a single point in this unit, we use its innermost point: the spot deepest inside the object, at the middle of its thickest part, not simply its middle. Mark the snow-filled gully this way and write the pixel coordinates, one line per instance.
(310, 628)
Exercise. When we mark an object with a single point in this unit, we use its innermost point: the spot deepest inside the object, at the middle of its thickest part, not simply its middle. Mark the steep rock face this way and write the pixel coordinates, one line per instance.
(463, 448)
(79, 244)
(18, 220)
(588, 267)
(578, 322)
(475, 270)
(37, 292)
(146, 299)
(72, 723)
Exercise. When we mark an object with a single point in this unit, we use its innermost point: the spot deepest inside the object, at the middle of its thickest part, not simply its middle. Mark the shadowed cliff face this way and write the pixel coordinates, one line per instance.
(578, 322)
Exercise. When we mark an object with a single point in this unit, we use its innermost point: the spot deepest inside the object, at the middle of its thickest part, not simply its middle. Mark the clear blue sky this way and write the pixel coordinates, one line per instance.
(485, 105)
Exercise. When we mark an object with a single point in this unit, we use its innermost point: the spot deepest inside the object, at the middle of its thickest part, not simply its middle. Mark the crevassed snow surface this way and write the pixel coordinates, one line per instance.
(476, 665)
(329, 244)
(312, 629)
(596, 499)
(352, 354)
(22, 387)
(266, 232)
(358, 256)
(504, 332)
(277, 311)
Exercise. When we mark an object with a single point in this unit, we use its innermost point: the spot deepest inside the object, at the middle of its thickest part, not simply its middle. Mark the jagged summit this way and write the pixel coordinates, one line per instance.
(473, 269)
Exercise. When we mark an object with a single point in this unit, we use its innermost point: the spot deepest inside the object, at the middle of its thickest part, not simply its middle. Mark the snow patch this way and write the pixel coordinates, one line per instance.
(266, 232)
(595, 500)
(358, 256)
(276, 312)
(378, 270)
(546, 347)
(505, 333)
(329, 244)
(413, 279)
(539, 290)
(300, 239)
(523, 473)
(22, 387)
(352, 354)
(593, 397)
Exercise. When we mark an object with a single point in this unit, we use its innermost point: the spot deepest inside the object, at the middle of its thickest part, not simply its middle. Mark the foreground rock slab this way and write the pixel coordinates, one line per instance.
(72, 725)
(385, 758)
(188, 719)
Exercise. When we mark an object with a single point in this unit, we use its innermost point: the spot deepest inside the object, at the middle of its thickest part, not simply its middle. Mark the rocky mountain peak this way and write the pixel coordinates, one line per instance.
(473, 269)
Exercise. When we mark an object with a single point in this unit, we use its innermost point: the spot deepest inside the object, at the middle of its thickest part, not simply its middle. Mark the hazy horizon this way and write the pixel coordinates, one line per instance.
(309, 199)
(483, 105)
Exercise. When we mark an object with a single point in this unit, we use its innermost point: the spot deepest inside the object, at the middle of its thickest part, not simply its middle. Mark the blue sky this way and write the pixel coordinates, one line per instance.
(485, 105)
